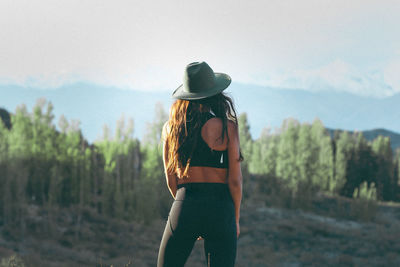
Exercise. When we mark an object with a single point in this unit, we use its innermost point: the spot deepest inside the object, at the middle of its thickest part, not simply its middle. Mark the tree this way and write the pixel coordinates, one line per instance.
(4, 132)
(344, 147)
(306, 156)
(122, 161)
(365, 191)
(5, 118)
(154, 128)
(286, 167)
(384, 178)
(396, 175)
(246, 142)
(361, 165)
(153, 181)
(264, 152)
(324, 169)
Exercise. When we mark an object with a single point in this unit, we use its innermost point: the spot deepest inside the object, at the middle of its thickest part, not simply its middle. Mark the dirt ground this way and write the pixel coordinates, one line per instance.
(270, 236)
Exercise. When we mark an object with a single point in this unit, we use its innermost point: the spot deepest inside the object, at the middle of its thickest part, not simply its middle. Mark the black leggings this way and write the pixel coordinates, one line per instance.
(200, 209)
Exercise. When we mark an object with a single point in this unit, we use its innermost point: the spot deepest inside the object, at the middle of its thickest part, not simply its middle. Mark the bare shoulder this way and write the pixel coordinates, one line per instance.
(211, 133)
(214, 123)
(212, 129)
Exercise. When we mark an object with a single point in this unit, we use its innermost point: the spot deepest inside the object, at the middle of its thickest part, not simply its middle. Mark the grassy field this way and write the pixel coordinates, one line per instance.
(328, 231)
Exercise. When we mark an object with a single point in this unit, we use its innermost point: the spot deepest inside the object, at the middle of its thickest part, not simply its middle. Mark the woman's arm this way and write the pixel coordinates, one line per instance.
(171, 178)
(234, 172)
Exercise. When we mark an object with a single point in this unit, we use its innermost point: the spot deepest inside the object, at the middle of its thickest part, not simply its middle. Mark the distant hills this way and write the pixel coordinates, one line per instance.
(337, 110)
(96, 105)
(394, 137)
(372, 134)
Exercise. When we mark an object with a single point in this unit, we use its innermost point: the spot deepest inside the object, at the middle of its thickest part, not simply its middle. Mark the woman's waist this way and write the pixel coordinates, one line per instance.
(205, 175)
(203, 191)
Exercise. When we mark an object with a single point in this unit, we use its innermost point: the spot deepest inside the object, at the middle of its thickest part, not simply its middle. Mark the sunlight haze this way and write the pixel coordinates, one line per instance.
(350, 46)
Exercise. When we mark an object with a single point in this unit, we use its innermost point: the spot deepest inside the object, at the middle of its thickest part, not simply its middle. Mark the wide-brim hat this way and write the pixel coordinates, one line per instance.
(200, 81)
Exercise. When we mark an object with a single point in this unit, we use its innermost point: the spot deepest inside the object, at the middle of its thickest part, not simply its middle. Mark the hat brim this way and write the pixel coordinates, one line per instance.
(222, 81)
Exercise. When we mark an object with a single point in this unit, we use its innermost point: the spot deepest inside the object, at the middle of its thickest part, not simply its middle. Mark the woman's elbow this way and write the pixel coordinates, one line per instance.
(235, 181)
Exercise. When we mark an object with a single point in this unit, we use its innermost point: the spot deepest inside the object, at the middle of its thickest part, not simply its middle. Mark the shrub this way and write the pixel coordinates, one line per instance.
(12, 261)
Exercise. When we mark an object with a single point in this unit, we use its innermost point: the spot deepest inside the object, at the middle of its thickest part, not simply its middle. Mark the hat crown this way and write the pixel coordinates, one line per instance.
(200, 81)
(198, 76)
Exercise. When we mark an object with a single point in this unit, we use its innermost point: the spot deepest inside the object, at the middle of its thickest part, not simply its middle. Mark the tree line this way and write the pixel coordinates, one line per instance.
(305, 158)
(123, 177)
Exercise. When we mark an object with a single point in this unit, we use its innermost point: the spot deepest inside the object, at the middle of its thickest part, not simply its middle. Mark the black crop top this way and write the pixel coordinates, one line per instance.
(203, 155)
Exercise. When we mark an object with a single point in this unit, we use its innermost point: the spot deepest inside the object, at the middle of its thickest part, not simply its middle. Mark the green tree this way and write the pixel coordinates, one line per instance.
(397, 175)
(246, 141)
(306, 156)
(5, 118)
(264, 152)
(344, 146)
(384, 178)
(122, 158)
(324, 158)
(21, 135)
(4, 132)
(286, 167)
(365, 191)
(361, 165)
(154, 197)
(154, 128)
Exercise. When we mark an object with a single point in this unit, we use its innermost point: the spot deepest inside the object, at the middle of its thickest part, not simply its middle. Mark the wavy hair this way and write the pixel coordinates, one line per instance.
(185, 127)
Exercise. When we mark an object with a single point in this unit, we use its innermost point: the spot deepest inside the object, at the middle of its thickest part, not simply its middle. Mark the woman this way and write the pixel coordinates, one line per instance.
(202, 166)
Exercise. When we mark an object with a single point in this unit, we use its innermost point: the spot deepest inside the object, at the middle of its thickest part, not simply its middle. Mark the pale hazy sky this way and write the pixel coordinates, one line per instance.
(348, 45)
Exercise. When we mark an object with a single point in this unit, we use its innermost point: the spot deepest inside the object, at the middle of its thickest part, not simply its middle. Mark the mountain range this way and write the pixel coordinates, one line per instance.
(96, 105)
(372, 134)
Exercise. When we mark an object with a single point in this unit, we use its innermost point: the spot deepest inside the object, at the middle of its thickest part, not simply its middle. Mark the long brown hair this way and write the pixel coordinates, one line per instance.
(185, 127)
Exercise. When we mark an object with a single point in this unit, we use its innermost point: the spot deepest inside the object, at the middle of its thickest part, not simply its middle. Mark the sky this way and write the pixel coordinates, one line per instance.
(338, 45)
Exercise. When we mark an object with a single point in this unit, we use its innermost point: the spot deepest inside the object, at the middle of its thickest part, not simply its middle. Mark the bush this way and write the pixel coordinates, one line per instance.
(364, 205)
(364, 192)
(12, 261)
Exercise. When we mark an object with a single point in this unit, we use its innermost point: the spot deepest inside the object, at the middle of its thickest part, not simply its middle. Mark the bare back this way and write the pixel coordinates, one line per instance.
(211, 134)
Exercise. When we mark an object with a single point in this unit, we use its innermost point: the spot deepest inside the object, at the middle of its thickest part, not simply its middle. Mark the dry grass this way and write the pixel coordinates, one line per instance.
(328, 231)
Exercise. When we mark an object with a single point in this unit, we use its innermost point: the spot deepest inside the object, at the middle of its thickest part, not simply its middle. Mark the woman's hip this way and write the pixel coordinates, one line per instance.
(217, 193)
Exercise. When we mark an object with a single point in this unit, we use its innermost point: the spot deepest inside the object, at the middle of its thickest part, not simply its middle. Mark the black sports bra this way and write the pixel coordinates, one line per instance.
(203, 155)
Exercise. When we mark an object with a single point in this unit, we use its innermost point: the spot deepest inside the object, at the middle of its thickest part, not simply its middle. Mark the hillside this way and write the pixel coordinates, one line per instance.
(372, 134)
(394, 137)
(96, 105)
(267, 106)
(331, 235)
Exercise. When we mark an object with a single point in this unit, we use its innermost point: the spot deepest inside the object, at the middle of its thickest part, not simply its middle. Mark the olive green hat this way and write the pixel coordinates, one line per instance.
(200, 81)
